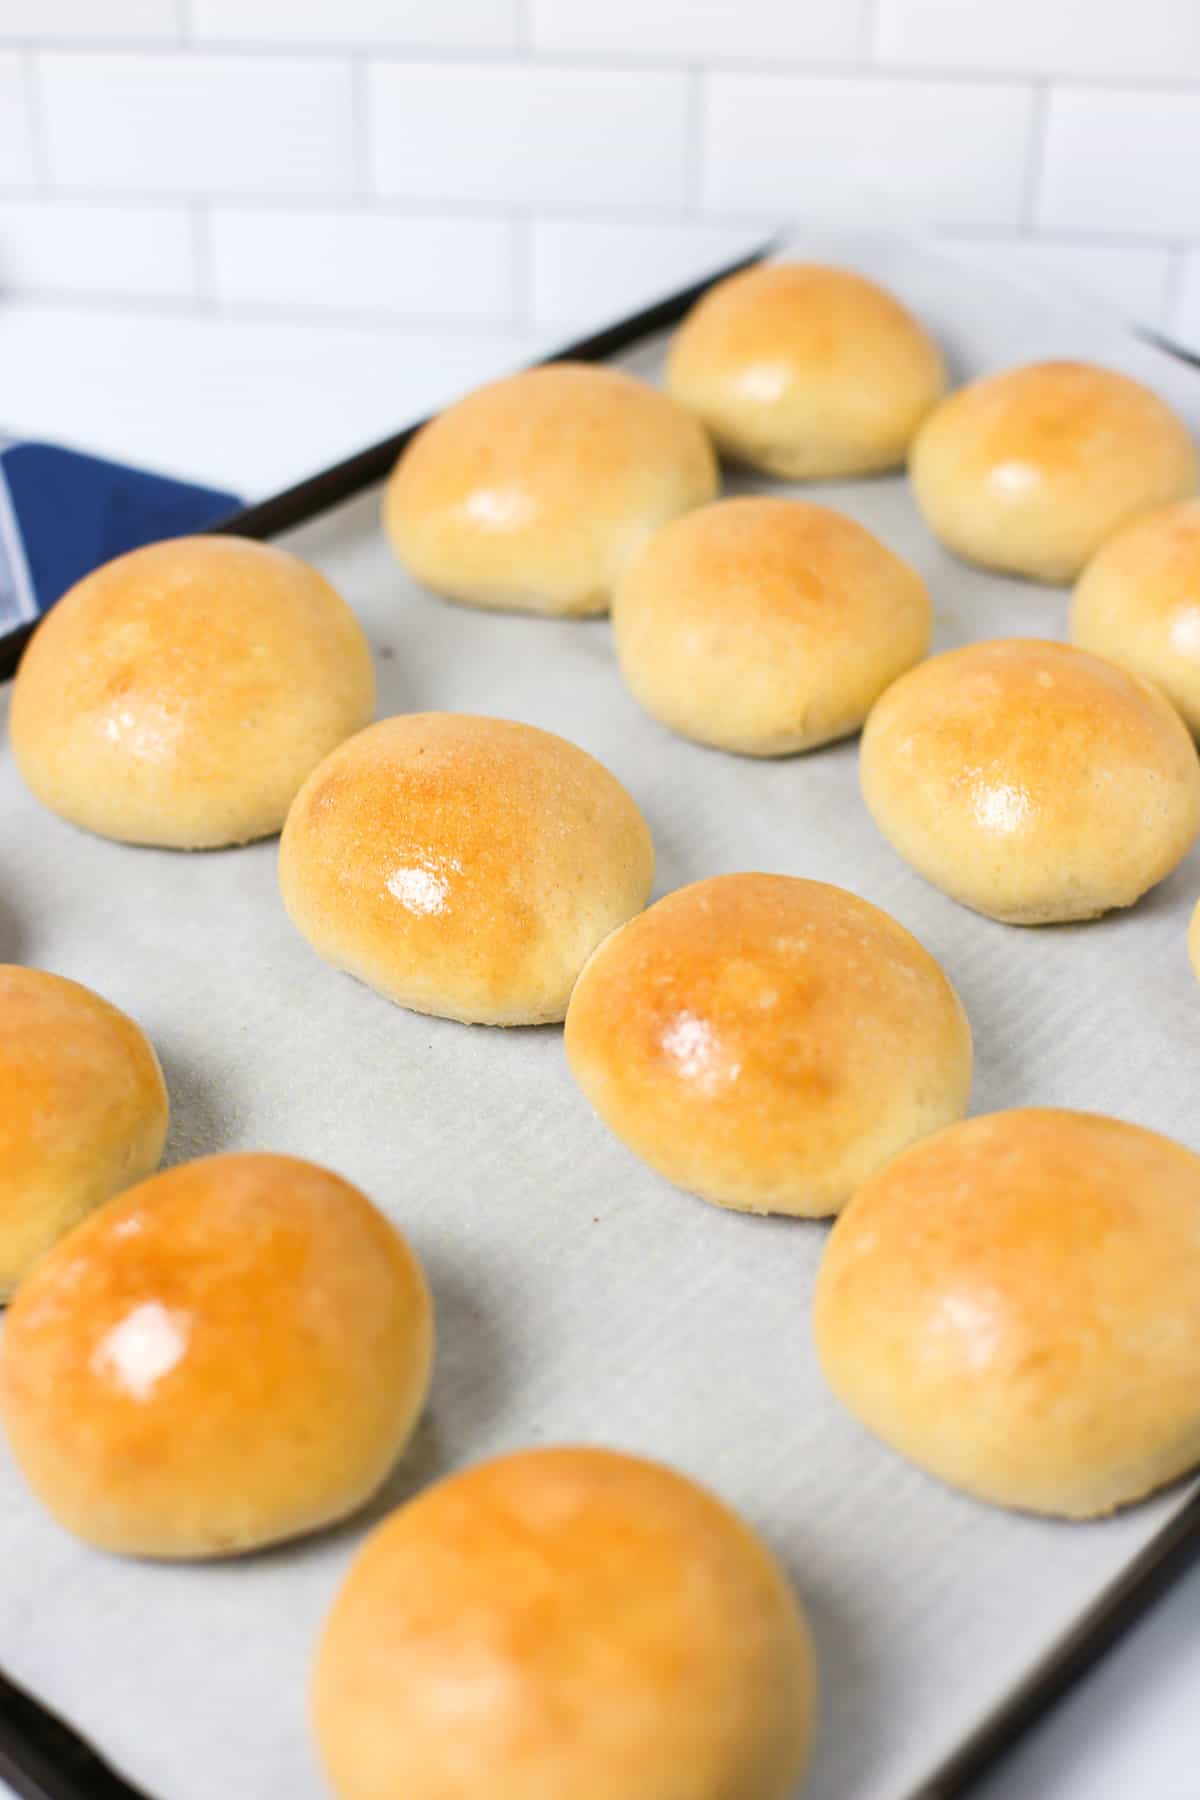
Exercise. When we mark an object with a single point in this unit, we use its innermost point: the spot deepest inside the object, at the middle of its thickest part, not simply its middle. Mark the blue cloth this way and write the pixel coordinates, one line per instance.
(63, 514)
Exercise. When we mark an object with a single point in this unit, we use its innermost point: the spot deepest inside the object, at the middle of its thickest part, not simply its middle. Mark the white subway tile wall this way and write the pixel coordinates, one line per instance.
(523, 165)
(867, 146)
(533, 135)
(353, 262)
(18, 151)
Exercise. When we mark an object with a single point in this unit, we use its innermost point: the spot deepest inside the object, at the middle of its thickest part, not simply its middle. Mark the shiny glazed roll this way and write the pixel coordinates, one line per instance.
(1030, 470)
(1138, 603)
(83, 1110)
(1012, 1305)
(766, 626)
(181, 694)
(1031, 781)
(532, 493)
(232, 1353)
(767, 1042)
(564, 1623)
(805, 371)
(463, 866)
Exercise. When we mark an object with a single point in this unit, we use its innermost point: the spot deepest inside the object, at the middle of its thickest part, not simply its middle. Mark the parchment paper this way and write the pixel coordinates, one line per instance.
(579, 1297)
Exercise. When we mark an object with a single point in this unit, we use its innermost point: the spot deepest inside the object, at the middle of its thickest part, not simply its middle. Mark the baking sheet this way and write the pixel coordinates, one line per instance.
(578, 1297)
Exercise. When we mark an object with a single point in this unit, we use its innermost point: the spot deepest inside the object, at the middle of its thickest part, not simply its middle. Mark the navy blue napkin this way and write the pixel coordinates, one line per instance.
(63, 514)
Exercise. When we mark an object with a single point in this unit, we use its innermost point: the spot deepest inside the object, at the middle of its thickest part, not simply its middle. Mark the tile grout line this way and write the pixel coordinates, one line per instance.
(521, 256)
(361, 125)
(1035, 158)
(799, 68)
(1171, 298)
(35, 113)
(695, 131)
(200, 216)
(868, 31)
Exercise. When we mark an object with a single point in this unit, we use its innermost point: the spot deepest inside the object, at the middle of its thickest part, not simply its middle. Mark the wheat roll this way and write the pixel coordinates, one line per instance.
(806, 372)
(766, 626)
(1012, 1305)
(463, 866)
(1030, 470)
(1138, 603)
(1032, 781)
(180, 694)
(83, 1110)
(564, 1624)
(229, 1354)
(532, 493)
(767, 1042)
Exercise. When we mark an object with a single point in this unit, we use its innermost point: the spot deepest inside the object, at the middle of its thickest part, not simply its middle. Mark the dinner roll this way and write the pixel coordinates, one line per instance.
(767, 1042)
(180, 694)
(231, 1353)
(1138, 603)
(1030, 470)
(1012, 1305)
(766, 626)
(463, 866)
(805, 371)
(564, 1624)
(532, 493)
(1031, 781)
(83, 1110)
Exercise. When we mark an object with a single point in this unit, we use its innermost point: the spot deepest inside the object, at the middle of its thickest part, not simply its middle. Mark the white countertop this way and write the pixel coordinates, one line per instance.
(254, 405)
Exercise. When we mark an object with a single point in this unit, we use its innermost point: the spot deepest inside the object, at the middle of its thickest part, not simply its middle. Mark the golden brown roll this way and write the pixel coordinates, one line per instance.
(1031, 781)
(1012, 1305)
(83, 1110)
(805, 371)
(231, 1353)
(1138, 603)
(564, 1622)
(1030, 470)
(766, 626)
(180, 694)
(532, 493)
(767, 1042)
(463, 866)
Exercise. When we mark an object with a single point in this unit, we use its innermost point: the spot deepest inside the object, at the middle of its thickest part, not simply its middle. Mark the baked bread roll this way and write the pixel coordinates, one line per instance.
(766, 626)
(531, 494)
(1138, 603)
(1031, 781)
(805, 371)
(767, 1042)
(1012, 1305)
(463, 866)
(180, 694)
(83, 1110)
(229, 1354)
(564, 1622)
(1030, 470)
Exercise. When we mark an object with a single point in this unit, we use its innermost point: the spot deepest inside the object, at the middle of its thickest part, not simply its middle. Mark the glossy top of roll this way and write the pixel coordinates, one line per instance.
(1030, 469)
(806, 371)
(180, 694)
(767, 1042)
(531, 493)
(1032, 781)
(1012, 1305)
(564, 1622)
(83, 1110)
(464, 866)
